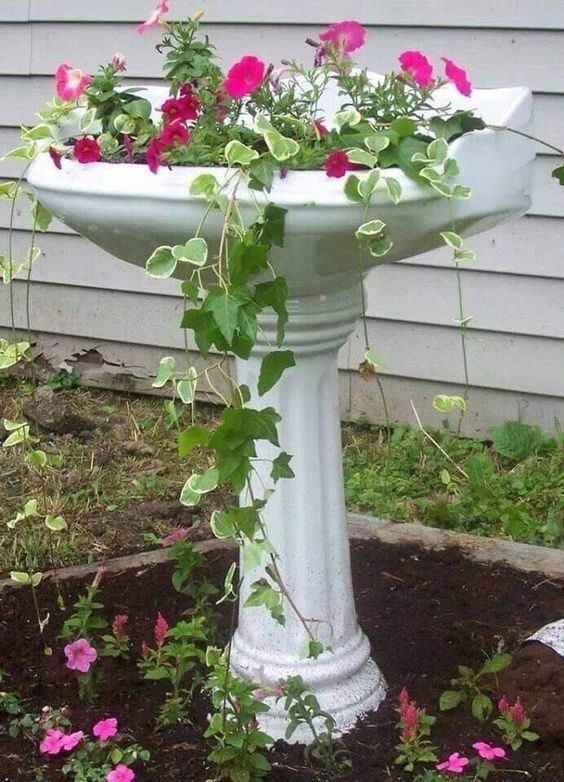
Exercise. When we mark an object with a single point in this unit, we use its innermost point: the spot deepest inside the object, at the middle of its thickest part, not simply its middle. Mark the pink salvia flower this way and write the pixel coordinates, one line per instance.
(175, 537)
(337, 164)
(121, 773)
(161, 629)
(119, 623)
(344, 37)
(87, 150)
(458, 77)
(51, 744)
(410, 719)
(455, 764)
(155, 17)
(418, 66)
(70, 83)
(244, 77)
(503, 704)
(403, 699)
(80, 655)
(487, 752)
(105, 729)
(68, 743)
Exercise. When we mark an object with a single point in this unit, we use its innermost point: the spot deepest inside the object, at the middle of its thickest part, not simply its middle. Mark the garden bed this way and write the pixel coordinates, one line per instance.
(425, 612)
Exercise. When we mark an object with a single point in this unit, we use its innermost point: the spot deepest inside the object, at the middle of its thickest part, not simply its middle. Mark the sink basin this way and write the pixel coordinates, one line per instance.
(129, 211)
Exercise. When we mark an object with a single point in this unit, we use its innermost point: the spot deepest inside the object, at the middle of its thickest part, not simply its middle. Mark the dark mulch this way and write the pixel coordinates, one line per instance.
(425, 613)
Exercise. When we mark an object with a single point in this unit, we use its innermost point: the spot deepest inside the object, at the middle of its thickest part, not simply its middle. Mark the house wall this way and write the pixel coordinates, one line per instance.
(116, 323)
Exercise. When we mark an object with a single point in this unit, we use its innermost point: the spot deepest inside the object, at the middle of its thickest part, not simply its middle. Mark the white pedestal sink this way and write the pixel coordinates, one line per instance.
(129, 211)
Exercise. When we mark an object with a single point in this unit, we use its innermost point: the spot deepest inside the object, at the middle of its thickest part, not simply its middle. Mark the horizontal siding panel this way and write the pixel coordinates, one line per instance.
(527, 57)
(517, 363)
(439, 13)
(15, 48)
(15, 11)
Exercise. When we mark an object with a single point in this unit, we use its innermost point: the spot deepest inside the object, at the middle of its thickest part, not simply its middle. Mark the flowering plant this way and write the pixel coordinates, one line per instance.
(514, 723)
(415, 728)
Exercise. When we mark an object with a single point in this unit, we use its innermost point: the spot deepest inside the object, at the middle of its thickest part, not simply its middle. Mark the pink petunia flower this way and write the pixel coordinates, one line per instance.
(487, 752)
(175, 133)
(121, 773)
(154, 154)
(51, 743)
(119, 63)
(244, 77)
(337, 164)
(80, 655)
(418, 66)
(175, 537)
(155, 17)
(344, 37)
(68, 743)
(70, 83)
(105, 729)
(56, 157)
(455, 764)
(87, 150)
(458, 77)
(161, 629)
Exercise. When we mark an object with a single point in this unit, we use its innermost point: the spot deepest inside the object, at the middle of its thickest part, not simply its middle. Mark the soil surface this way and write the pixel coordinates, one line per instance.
(424, 612)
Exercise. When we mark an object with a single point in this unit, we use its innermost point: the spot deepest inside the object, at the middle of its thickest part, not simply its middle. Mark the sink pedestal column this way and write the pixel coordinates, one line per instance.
(306, 524)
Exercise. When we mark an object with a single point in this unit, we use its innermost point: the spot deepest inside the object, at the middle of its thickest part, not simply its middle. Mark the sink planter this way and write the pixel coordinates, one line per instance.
(129, 211)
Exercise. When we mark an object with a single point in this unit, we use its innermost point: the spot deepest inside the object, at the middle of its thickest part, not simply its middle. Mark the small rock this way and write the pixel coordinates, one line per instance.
(137, 448)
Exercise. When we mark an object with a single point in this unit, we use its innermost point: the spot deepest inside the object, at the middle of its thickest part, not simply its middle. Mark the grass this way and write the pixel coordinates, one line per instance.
(121, 477)
(511, 487)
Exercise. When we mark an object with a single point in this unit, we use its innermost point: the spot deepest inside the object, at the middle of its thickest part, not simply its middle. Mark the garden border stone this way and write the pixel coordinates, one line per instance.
(521, 556)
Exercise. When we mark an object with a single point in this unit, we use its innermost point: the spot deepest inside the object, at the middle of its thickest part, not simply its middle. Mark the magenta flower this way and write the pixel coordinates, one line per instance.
(121, 773)
(487, 752)
(56, 157)
(244, 77)
(87, 150)
(105, 729)
(175, 537)
(154, 154)
(458, 77)
(80, 655)
(184, 108)
(155, 17)
(418, 66)
(517, 712)
(161, 629)
(337, 164)
(503, 704)
(455, 764)
(51, 744)
(175, 133)
(320, 128)
(344, 37)
(69, 742)
(70, 83)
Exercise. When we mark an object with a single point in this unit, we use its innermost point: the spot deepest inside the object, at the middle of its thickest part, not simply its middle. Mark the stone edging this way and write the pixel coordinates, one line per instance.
(521, 556)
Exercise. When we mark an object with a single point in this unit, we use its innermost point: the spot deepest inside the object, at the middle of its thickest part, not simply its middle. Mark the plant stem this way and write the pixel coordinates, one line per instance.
(527, 135)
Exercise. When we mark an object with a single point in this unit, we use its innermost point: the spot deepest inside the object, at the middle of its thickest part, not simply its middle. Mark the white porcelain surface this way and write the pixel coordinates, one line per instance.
(129, 211)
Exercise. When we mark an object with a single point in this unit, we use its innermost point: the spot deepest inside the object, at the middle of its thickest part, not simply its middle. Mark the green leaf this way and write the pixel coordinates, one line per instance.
(315, 649)
(162, 262)
(20, 578)
(446, 404)
(55, 523)
(261, 174)
(482, 707)
(140, 108)
(221, 525)
(394, 189)
(245, 260)
(274, 294)
(558, 174)
(281, 467)
(204, 483)
(367, 186)
(192, 438)
(374, 361)
(238, 154)
(530, 735)
(187, 386)
(224, 306)
(195, 251)
(205, 186)
(377, 143)
(351, 189)
(403, 126)
(347, 117)
(272, 367)
(380, 246)
(189, 497)
(361, 157)
(164, 372)
(371, 228)
(450, 699)
(496, 664)
(270, 228)
(518, 441)
(452, 239)
(42, 217)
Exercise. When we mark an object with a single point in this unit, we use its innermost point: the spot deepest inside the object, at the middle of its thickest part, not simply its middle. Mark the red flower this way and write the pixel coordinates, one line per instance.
(161, 629)
(320, 128)
(337, 164)
(87, 150)
(458, 77)
(175, 133)
(154, 154)
(184, 108)
(244, 77)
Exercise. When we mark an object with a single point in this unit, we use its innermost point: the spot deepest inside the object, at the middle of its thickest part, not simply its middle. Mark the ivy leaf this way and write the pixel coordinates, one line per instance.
(261, 174)
(394, 189)
(224, 306)
(281, 467)
(205, 186)
(245, 260)
(195, 251)
(272, 367)
(371, 228)
(351, 189)
(55, 523)
(361, 157)
(403, 126)
(380, 246)
(191, 438)
(270, 229)
(315, 649)
(558, 174)
(204, 483)
(274, 294)
(42, 217)
(238, 154)
(164, 372)
(162, 262)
